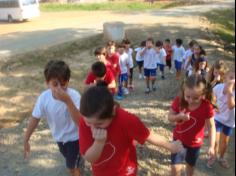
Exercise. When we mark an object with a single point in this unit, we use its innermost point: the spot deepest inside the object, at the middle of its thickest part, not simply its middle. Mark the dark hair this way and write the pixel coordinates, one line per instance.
(192, 43)
(57, 69)
(159, 43)
(126, 41)
(179, 42)
(167, 40)
(121, 45)
(100, 51)
(99, 69)
(143, 44)
(111, 43)
(97, 101)
(101, 83)
(192, 82)
(150, 40)
(202, 51)
(199, 60)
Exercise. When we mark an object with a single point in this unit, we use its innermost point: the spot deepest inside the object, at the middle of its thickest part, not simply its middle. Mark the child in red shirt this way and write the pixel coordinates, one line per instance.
(100, 72)
(108, 132)
(190, 111)
(168, 48)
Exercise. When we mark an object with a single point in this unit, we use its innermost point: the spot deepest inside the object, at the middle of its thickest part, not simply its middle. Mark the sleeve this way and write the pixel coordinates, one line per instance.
(90, 78)
(85, 137)
(38, 111)
(136, 129)
(175, 105)
(76, 99)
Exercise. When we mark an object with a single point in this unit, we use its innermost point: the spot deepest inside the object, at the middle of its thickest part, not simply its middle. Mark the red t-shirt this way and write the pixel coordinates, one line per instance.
(191, 133)
(119, 154)
(109, 77)
(168, 50)
(114, 61)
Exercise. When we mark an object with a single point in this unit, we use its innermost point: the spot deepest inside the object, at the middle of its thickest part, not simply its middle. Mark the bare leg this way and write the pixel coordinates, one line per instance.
(74, 172)
(176, 169)
(224, 142)
(189, 170)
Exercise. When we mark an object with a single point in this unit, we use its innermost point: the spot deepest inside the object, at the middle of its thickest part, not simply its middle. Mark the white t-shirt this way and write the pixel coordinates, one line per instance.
(131, 62)
(124, 63)
(161, 57)
(138, 56)
(187, 55)
(178, 53)
(60, 122)
(226, 116)
(150, 61)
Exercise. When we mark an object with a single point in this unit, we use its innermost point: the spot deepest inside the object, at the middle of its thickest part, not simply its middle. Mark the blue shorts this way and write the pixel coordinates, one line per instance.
(150, 72)
(190, 156)
(123, 77)
(161, 66)
(140, 64)
(221, 128)
(70, 151)
(178, 65)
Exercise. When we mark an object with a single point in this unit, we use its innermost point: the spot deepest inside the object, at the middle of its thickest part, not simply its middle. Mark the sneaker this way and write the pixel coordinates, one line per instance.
(171, 72)
(154, 88)
(144, 77)
(140, 76)
(147, 91)
(162, 77)
(126, 91)
(118, 97)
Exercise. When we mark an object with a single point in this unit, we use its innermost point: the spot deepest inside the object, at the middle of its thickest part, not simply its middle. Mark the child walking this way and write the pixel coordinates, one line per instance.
(188, 54)
(139, 58)
(190, 111)
(108, 134)
(224, 117)
(161, 58)
(168, 49)
(60, 106)
(178, 56)
(201, 68)
(129, 51)
(150, 65)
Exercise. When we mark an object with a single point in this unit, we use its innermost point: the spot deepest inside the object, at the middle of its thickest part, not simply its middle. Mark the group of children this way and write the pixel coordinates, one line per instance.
(94, 127)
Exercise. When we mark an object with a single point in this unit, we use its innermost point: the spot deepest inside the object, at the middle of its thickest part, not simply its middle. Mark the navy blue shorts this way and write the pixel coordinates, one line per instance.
(70, 151)
(140, 64)
(150, 72)
(221, 128)
(190, 156)
(123, 78)
(178, 65)
(161, 66)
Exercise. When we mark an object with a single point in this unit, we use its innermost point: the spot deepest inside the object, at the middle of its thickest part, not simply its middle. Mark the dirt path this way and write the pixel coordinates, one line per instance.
(22, 79)
(54, 28)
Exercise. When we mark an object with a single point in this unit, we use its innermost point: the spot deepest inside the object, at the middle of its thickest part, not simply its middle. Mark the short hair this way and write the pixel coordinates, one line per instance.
(143, 44)
(150, 40)
(97, 101)
(192, 43)
(99, 69)
(100, 51)
(179, 42)
(111, 43)
(57, 69)
(126, 41)
(121, 45)
(167, 40)
(159, 43)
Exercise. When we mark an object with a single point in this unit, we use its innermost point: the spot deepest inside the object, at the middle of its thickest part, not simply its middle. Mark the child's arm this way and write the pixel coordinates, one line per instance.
(60, 94)
(95, 151)
(230, 96)
(160, 141)
(33, 123)
(143, 52)
(112, 85)
(212, 134)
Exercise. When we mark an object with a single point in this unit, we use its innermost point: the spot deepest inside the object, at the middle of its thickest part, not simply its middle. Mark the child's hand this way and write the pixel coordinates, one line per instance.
(26, 150)
(99, 135)
(176, 147)
(183, 116)
(60, 94)
(211, 152)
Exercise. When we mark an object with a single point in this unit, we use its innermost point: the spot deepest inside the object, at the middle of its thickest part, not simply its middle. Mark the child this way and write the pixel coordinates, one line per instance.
(101, 55)
(217, 73)
(168, 49)
(201, 68)
(139, 58)
(178, 55)
(161, 58)
(190, 111)
(188, 54)
(108, 135)
(124, 72)
(150, 64)
(225, 117)
(100, 72)
(59, 105)
(129, 51)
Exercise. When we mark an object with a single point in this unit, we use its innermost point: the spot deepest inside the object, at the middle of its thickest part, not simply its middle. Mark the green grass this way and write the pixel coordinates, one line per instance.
(223, 23)
(114, 6)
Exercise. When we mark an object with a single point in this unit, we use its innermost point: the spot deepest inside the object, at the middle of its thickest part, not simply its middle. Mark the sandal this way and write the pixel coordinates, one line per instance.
(224, 163)
(211, 162)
